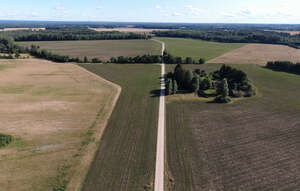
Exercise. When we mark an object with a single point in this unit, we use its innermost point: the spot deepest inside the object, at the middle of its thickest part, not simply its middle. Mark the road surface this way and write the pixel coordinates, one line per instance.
(160, 150)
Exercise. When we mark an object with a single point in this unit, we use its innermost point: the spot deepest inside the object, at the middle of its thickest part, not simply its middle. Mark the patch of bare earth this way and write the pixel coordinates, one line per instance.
(57, 113)
(259, 54)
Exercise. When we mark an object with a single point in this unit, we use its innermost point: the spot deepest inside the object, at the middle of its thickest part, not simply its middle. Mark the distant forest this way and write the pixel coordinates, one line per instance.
(235, 36)
(80, 33)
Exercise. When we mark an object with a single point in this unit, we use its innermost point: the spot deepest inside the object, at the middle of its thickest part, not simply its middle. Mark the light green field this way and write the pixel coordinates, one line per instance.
(198, 48)
(102, 49)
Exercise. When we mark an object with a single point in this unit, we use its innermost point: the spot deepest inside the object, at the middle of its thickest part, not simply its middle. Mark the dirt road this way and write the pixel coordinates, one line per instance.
(159, 170)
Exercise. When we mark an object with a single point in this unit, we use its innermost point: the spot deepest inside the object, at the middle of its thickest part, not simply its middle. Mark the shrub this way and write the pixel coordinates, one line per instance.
(5, 140)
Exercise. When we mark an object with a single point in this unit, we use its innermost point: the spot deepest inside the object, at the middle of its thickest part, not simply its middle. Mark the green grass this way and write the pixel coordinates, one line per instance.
(197, 48)
(125, 159)
(250, 144)
(102, 49)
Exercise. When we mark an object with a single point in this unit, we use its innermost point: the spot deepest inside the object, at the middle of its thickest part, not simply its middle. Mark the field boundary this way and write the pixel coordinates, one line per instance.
(76, 183)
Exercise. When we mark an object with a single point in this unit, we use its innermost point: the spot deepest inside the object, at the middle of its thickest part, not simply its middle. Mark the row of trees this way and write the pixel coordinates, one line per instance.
(228, 82)
(146, 59)
(170, 59)
(79, 33)
(44, 54)
(284, 66)
(235, 36)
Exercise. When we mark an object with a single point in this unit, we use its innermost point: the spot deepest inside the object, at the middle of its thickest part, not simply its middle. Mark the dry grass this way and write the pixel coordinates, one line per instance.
(259, 54)
(134, 30)
(49, 108)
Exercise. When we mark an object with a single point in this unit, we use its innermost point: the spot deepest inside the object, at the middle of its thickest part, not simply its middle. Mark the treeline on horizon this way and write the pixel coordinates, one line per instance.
(284, 66)
(70, 33)
(235, 36)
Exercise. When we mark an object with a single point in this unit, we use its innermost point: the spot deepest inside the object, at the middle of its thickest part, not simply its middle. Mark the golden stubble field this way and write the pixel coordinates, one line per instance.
(259, 54)
(57, 114)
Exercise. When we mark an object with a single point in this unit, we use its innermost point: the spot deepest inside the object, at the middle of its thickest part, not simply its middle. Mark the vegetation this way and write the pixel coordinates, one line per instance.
(5, 140)
(70, 33)
(235, 36)
(145, 59)
(131, 131)
(197, 49)
(239, 145)
(227, 81)
(104, 50)
(170, 59)
(284, 66)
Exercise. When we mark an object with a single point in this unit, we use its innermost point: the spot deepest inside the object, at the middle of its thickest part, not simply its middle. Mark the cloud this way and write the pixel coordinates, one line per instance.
(99, 7)
(177, 14)
(157, 7)
(193, 10)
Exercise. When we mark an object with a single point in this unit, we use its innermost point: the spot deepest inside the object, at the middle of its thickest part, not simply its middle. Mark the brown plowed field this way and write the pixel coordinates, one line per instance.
(251, 144)
(259, 54)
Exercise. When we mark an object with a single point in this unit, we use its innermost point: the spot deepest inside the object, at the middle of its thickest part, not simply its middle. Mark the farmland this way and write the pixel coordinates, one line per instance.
(197, 48)
(259, 54)
(126, 156)
(102, 49)
(250, 144)
(124, 29)
(56, 114)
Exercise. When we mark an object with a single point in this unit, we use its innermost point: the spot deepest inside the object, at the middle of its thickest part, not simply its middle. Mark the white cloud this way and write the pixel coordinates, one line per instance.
(177, 14)
(193, 10)
(157, 7)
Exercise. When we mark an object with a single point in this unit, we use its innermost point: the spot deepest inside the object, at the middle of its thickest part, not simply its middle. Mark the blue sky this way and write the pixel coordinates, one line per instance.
(199, 11)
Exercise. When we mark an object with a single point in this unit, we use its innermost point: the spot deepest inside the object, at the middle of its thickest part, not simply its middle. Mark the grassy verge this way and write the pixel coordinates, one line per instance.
(125, 159)
(198, 48)
(251, 144)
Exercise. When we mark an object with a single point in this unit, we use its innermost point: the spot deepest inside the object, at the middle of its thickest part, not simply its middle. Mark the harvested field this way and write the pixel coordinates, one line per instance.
(259, 54)
(251, 144)
(126, 156)
(134, 30)
(102, 49)
(56, 113)
(197, 49)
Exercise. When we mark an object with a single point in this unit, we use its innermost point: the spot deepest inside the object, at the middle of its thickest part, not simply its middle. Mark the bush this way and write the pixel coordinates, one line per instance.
(221, 99)
(5, 140)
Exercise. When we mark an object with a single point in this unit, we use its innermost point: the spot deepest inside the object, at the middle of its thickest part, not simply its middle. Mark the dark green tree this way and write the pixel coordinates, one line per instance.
(188, 76)
(201, 61)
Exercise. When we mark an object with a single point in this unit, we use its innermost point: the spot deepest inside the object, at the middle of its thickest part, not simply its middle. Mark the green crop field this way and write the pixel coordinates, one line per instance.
(125, 159)
(250, 144)
(102, 49)
(197, 49)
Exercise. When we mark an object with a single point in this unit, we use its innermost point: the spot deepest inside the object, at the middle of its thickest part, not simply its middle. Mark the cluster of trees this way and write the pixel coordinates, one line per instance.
(235, 36)
(170, 59)
(145, 59)
(284, 66)
(79, 33)
(7, 45)
(228, 82)
(5, 139)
